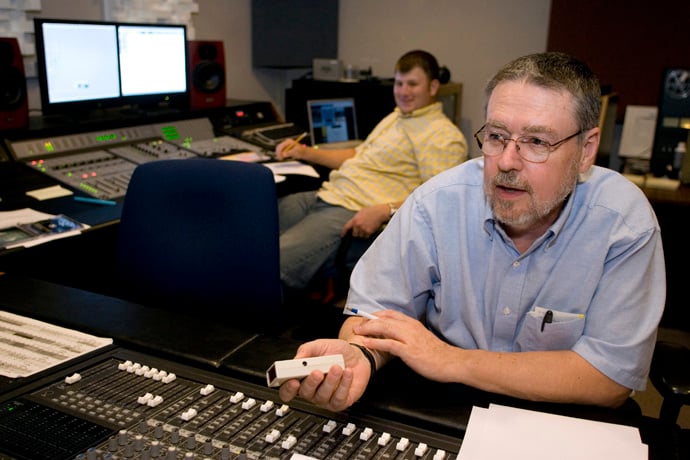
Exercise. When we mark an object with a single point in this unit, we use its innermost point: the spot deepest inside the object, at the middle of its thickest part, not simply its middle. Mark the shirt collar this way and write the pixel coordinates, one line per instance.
(433, 107)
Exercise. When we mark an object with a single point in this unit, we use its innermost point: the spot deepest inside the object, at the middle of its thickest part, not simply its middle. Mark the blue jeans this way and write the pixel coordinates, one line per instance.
(309, 236)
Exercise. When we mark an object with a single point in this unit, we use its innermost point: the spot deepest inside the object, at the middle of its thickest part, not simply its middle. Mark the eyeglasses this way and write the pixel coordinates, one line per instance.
(530, 148)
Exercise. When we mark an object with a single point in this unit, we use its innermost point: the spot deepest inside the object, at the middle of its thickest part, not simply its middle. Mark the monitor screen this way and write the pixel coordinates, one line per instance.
(77, 64)
(332, 120)
(153, 59)
(88, 65)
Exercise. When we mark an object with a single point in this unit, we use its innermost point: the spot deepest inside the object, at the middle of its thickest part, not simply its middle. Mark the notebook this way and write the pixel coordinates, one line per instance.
(333, 123)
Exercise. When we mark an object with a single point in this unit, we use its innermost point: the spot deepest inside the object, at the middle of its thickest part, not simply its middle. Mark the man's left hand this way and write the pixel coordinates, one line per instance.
(367, 221)
(410, 340)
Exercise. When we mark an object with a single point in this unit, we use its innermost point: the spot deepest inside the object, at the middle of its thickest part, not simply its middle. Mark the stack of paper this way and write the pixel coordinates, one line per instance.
(28, 346)
(28, 227)
(501, 432)
(280, 169)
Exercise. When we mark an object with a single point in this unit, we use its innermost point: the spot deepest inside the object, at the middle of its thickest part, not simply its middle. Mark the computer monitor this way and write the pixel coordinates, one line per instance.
(153, 64)
(332, 120)
(77, 65)
(90, 65)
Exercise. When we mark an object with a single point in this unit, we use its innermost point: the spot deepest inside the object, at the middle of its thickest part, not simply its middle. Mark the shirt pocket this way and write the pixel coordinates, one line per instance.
(548, 329)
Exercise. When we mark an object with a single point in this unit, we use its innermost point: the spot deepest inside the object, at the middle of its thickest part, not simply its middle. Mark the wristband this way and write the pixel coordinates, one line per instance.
(369, 356)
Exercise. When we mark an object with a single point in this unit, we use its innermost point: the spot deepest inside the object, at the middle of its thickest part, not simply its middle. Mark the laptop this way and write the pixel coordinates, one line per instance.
(333, 123)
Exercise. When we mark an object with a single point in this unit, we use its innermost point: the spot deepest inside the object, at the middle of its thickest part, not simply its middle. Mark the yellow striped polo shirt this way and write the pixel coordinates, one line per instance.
(402, 152)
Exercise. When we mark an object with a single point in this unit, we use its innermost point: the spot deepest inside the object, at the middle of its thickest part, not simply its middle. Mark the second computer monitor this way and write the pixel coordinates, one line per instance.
(332, 120)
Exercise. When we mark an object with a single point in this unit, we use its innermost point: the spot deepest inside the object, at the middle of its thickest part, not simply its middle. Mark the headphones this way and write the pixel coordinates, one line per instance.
(443, 75)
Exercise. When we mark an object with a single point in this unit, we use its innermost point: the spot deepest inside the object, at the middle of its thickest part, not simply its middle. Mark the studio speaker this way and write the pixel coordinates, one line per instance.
(206, 74)
(14, 103)
(672, 124)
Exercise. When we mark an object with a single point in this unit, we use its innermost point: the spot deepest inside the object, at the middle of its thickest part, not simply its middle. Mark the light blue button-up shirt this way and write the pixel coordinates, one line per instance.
(598, 271)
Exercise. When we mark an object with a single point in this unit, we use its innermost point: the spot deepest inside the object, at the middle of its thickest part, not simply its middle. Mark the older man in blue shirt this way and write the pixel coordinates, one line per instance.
(528, 272)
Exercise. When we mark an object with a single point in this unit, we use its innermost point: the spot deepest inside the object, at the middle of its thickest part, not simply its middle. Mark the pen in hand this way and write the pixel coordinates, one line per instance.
(363, 314)
(295, 142)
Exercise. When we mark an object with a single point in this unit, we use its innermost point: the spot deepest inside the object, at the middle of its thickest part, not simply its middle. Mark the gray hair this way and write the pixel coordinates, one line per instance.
(556, 71)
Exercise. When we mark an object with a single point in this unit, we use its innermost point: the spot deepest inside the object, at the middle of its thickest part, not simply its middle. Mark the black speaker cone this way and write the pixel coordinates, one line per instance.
(678, 84)
(12, 89)
(208, 77)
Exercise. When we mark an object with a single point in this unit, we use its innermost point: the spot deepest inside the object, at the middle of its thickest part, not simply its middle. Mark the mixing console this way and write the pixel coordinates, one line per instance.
(101, 163)
(226, 145)
(106, 173)
(128, 405)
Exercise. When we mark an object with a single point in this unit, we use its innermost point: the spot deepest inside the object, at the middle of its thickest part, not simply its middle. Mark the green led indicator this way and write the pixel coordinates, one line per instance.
(49, 147)
(170, 133)
(106, 137)
(88, 188)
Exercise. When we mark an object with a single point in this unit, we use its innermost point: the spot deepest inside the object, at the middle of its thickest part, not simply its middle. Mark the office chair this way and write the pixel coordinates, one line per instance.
(670, 375)
(201, 236)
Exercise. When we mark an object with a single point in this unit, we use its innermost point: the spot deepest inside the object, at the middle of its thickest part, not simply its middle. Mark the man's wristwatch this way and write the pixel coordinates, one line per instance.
(393, 208)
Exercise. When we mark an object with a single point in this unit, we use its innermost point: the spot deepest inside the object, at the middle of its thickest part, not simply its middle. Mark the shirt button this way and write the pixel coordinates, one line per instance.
(516, 264)
(506, 311)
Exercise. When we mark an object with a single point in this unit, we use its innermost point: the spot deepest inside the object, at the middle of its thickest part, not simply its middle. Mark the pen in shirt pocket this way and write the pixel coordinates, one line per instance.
(548, 319)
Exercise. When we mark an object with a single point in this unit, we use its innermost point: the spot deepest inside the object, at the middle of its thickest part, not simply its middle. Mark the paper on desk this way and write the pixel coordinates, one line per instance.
(292, 167)
(21, 216)
(247, 157)
(28, 215)
(501, 432)
(29, 346)
(56, 191)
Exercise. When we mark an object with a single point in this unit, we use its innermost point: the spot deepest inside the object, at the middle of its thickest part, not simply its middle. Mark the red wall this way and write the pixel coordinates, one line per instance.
(627, 43)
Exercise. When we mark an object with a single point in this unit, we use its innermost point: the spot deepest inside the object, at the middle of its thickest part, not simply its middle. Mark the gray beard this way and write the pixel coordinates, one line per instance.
(504, 211)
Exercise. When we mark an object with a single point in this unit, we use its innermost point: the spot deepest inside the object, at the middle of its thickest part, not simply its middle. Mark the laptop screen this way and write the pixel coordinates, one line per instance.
(332, 120)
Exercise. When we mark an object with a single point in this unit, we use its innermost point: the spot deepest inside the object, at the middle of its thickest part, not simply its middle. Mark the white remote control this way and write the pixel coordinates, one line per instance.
(280, 371)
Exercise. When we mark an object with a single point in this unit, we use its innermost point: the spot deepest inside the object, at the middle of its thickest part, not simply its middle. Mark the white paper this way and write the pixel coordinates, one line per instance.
(47, 193)
(21, 216)
(637, 136)
(501, 432)
(28, 346)
(292, 167)
(28, 215)
(247, 157)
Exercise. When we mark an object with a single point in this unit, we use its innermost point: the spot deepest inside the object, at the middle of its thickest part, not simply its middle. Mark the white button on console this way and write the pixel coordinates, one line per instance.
(74, 378)
(420, 450)
(329, 426)
(267, 406)
(366, 434)
(273, 436)
(384, 439)
(249, 403)
(289, 443)
(207, 390)
(402, 444)
(440, 455)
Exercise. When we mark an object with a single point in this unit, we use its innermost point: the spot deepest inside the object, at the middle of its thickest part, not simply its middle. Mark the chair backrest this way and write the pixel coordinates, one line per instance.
(201, 236)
